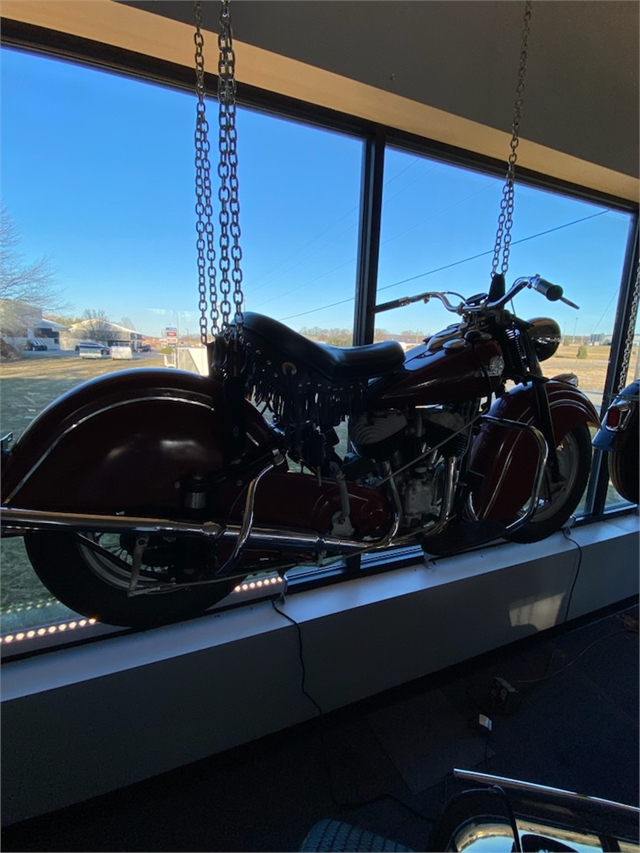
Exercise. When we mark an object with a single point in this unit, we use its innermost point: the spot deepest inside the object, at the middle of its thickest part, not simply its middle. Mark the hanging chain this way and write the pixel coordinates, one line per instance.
(631, 328)
(230, 251)
(204, 208)
(228, 172)
(505, 220)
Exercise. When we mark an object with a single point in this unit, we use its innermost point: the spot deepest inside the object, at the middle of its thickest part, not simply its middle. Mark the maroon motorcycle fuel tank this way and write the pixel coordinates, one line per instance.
(447, 368)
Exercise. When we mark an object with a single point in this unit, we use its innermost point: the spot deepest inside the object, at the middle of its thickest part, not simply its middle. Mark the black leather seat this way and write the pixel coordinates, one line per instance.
(269, 338)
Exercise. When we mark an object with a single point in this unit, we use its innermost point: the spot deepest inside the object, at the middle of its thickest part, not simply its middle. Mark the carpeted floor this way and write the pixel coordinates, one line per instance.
(567, 717)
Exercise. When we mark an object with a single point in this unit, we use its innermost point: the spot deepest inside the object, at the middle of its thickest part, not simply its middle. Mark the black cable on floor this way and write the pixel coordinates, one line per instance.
(334, 800)
(512, 818)
(571, 662)
(301, 656)
(567, 535)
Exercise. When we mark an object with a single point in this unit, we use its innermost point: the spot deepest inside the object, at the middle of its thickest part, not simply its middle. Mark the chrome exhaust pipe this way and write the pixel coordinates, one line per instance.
(24, 520)
(15, 520)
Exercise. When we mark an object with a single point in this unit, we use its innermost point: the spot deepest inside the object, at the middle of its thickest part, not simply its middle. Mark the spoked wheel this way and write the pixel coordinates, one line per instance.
(91, 573)
(557, 501)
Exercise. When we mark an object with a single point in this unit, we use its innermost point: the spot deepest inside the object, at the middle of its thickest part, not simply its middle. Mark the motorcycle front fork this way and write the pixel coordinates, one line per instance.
(546, 426)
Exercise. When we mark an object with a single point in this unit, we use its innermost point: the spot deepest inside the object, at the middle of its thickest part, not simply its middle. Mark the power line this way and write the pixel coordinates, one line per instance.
(307, 283)
(482, 254)
(290, 257)
(353, 260)
(454, 264)
(313, 310)
(442, 210)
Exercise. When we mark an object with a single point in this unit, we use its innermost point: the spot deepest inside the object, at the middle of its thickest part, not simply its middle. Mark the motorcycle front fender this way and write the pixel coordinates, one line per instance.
(505, 459)
(126, 442)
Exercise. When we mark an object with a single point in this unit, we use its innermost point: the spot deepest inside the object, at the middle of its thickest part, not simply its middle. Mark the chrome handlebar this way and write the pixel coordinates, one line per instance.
(553, 292)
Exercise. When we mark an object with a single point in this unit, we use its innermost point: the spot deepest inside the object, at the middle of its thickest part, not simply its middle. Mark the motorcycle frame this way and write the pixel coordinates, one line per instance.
(17, 521)
(556, 407)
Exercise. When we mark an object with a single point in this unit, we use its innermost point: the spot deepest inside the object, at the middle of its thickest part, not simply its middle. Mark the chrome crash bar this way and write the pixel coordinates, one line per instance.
(543, 455)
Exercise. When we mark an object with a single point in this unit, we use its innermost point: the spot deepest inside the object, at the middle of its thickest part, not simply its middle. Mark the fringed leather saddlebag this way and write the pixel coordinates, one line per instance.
(303, 381)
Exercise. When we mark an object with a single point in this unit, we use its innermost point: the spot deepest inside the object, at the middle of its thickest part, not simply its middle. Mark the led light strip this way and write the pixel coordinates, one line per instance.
(60, 627)
(31, 607)
(42, 632)
(260, 584)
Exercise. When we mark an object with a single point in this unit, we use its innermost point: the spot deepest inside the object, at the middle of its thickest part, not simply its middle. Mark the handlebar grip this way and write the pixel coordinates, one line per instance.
(553, 292)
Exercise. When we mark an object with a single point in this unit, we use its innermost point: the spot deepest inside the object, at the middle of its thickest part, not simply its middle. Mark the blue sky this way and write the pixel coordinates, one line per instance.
(98, 173)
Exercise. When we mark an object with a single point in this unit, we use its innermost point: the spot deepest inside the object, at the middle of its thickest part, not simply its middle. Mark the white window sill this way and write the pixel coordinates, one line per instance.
(83, 721)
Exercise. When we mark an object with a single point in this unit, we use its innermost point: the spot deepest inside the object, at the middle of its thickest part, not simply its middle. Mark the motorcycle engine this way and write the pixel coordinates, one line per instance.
(418, 494)
(378, 435)
(444, 425)
(389, 436)
(422, 488)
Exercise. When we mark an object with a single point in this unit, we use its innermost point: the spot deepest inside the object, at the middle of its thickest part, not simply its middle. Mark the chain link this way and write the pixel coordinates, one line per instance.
(218, 297)
(204, 208)
(230, 250)
(505, 219)
(628, 344)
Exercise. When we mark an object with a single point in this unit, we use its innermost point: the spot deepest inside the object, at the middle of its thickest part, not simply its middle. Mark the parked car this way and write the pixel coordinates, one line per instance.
(35, 345)
(92, 346)
(145, 348)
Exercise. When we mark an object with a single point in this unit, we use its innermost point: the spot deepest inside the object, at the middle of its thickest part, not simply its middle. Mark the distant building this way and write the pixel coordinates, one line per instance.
(103, 332)
(21, 322)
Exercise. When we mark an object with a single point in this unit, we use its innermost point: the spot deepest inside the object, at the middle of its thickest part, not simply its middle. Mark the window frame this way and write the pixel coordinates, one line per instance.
(376, 138)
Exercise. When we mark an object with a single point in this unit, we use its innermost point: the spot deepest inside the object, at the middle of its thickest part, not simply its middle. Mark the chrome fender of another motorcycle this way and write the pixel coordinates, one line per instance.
(507, 459)
(626, 402)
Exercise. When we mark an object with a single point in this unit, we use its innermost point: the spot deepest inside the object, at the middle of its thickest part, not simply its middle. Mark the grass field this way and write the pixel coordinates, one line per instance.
(591, 371)
(28, 385)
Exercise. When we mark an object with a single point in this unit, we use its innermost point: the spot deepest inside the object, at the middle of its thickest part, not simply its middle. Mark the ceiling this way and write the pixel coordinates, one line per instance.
(581, 94)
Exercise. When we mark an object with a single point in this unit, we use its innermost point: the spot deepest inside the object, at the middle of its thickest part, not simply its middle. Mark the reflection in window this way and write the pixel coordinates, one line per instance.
(448, 245)
(631, 347)
(98, 181)
(99, 188)
(438, 232)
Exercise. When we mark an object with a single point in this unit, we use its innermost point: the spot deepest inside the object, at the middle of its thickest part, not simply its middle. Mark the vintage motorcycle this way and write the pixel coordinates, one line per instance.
(618, 437)
(145, 495)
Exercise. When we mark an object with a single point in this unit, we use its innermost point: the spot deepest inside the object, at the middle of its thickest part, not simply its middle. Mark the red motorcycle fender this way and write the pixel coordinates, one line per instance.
(506, 458)
(125, 443)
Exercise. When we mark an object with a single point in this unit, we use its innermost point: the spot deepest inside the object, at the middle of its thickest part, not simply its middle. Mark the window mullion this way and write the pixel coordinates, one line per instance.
(369, 238)
(597, 491)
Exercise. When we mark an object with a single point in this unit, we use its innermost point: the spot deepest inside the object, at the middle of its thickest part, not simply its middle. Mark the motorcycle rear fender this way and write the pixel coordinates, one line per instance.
(627, 404)
(125, 442)
(506, 458)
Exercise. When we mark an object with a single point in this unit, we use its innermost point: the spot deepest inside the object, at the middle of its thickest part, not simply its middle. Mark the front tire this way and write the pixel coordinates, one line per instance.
(557, 502)
(94, 583)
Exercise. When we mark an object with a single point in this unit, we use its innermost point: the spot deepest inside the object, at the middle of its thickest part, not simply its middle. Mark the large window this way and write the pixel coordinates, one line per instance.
(438, 232)
(98, 215)
(98, 194)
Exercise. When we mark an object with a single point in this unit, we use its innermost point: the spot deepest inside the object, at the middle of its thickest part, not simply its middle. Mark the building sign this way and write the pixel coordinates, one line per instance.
(171, 334)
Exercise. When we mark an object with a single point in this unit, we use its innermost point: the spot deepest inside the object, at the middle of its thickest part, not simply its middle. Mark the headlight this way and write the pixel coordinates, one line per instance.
(545, 335)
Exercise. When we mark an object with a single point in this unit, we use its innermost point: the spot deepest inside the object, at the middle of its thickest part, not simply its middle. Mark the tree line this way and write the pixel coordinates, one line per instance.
(344, 337)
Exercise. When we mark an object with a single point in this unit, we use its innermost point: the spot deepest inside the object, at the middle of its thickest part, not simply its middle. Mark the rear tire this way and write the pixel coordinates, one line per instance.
(556, 504)
(623, 462)
(91, 584)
